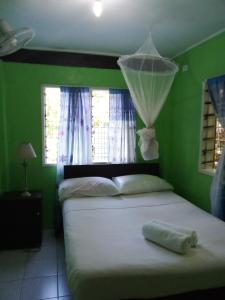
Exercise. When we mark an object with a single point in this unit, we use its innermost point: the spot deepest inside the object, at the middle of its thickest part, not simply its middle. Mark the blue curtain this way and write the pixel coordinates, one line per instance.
(122, 127)
(216, 87)
(74, 146)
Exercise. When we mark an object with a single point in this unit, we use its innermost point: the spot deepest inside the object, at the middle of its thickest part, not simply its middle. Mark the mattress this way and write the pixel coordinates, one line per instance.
(108, 258)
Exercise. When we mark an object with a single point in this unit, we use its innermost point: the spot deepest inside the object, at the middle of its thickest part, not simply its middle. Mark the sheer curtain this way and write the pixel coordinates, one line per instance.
(74, 146)
(216, 87)
(122, 127)
(149, 77)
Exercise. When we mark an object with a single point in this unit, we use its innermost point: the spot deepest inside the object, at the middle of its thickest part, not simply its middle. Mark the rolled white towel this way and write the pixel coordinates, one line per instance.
(188, 231)
(167, 237)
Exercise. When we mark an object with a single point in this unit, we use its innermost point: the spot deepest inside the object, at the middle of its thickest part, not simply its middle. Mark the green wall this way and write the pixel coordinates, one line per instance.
(23, 120)
(185, 100)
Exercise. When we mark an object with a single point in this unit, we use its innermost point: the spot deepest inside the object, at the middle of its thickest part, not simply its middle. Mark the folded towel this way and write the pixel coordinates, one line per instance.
(167, 237)
(188, 231)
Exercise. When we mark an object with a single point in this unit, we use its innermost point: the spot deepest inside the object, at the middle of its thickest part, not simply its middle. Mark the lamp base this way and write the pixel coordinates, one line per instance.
(26, 194)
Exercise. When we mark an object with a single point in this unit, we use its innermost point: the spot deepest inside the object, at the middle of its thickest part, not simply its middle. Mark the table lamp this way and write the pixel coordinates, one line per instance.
(26, 152)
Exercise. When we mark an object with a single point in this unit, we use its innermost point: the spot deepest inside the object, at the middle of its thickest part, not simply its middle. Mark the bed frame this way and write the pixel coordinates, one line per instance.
(112, 170)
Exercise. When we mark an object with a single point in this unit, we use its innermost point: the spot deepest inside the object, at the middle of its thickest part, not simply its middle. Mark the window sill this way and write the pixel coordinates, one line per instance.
(94, 163)
(209, 172)
(48, 165)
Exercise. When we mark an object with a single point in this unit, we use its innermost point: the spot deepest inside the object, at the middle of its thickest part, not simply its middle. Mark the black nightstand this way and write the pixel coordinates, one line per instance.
(20, 220)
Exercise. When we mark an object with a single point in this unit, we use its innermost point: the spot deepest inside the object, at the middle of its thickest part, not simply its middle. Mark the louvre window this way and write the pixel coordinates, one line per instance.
(212, 137)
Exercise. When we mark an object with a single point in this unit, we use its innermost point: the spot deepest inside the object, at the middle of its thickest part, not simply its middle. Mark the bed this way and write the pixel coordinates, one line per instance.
(107, 257)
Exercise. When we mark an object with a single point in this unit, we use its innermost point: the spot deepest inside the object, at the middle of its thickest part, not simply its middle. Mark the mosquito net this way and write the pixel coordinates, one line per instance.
(149, 77)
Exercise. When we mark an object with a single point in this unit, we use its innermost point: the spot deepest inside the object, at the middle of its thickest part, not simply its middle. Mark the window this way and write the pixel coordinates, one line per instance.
(212, 137)
(100, 116)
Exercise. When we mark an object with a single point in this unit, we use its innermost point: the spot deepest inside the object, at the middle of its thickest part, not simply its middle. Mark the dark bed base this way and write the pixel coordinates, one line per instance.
(113, 170)
(210, 294)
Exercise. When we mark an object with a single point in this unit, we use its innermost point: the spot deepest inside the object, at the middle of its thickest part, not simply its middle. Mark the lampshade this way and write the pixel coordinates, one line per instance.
(26, 151)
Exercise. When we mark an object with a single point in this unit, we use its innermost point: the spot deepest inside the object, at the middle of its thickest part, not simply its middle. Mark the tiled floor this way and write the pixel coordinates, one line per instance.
(34, 275)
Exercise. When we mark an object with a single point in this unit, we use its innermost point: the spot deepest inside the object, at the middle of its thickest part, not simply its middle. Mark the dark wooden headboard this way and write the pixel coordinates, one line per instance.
(110, 170)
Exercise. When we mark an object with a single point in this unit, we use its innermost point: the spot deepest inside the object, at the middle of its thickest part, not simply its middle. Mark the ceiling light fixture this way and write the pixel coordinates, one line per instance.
(97, 8)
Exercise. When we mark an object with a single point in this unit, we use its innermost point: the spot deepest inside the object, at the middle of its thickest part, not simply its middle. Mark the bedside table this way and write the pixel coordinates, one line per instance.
(20, 220)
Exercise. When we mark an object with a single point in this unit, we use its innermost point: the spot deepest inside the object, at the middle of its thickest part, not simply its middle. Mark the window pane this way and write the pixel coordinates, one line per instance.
(213, 135)
(51, 123)
(219, 142)
(100, 125)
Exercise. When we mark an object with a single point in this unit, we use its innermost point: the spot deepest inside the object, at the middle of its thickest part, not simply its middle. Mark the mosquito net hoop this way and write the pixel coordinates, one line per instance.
(149, 77)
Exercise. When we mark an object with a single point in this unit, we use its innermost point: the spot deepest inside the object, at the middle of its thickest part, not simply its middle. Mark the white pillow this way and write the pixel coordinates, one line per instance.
(87, 186)
(141, 183)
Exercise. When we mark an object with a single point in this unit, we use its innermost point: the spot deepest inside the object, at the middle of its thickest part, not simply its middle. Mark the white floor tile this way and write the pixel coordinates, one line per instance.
(12, 270)
(47, 299)
(63, 286)
(32, 275)
(66, 298)
(61, 265)
(12, 256)
(43, 253)
(39, 288)
(10, 290)
(39, 268)
(48, 238)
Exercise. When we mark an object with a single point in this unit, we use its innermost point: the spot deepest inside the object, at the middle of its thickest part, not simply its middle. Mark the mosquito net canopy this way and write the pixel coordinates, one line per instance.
(149, 77)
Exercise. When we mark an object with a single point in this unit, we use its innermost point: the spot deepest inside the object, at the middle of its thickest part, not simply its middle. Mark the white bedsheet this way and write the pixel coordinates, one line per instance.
(108, 258)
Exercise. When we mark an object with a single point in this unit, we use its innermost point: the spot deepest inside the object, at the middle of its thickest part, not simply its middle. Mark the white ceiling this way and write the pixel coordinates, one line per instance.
(69, 25)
